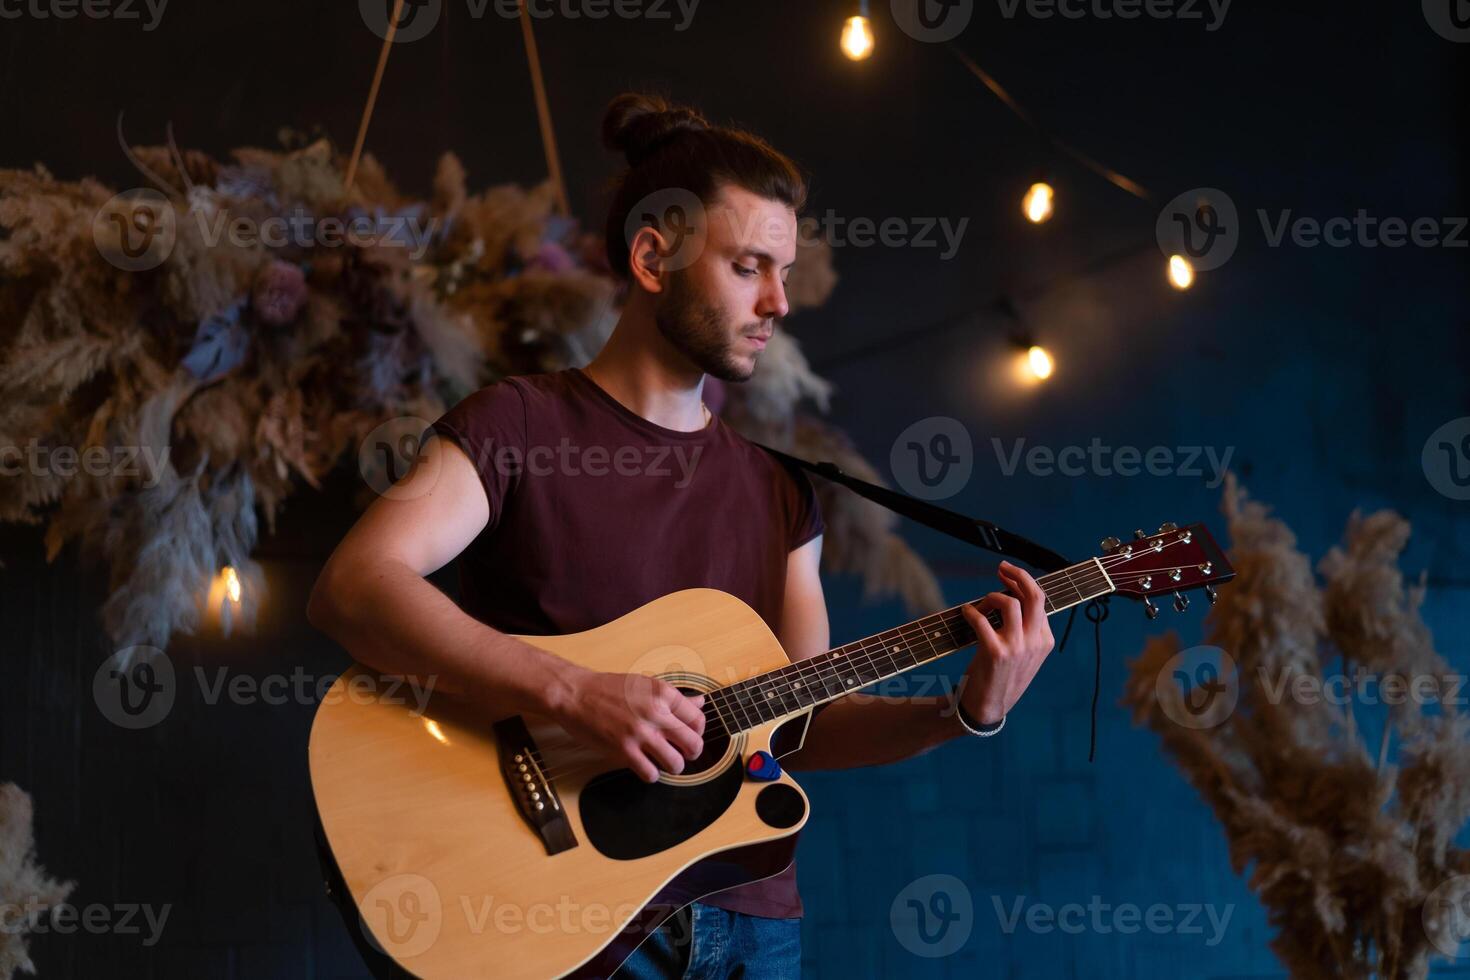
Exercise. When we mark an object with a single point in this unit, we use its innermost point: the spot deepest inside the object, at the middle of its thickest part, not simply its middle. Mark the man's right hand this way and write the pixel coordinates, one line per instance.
(644, 722)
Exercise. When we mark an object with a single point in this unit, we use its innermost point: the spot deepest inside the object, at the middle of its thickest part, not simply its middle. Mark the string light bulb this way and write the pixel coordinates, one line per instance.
(1038, 203)
(857, 35)
(231, 583)
(1039, 362)
(1181, 273)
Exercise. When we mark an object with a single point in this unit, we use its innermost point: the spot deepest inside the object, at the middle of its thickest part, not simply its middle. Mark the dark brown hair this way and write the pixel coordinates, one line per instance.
(673, 146)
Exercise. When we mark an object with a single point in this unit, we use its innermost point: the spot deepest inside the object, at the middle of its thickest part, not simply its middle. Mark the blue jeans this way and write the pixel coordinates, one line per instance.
(726, 946)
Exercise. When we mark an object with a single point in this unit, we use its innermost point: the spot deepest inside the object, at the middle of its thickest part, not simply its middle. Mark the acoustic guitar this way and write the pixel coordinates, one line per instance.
(477, 847)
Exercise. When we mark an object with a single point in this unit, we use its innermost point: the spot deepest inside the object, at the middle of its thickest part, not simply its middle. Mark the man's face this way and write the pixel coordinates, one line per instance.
(719, 310)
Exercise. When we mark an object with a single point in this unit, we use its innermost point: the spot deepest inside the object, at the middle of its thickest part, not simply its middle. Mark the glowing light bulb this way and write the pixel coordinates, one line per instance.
(857, 38)
(232, 582)
(1038, 202)
(1039, 362)
(1181, 273)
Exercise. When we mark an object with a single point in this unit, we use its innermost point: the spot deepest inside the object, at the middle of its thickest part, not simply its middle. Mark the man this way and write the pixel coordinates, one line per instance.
(561, 548)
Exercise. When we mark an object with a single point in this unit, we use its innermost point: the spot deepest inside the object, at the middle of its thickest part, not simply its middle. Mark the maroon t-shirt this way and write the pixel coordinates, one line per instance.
(595, 511)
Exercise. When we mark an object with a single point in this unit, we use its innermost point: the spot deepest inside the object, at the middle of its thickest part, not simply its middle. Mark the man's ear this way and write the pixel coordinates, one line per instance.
(645, 259)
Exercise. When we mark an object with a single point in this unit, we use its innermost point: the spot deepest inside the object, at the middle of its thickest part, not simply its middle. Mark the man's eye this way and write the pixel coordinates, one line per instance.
(742, 270)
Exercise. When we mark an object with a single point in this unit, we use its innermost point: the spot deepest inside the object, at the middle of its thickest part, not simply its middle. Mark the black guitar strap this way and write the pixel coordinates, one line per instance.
(982, 534)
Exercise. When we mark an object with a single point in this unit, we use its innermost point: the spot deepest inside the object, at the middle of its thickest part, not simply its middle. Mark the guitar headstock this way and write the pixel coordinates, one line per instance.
(1175, 559)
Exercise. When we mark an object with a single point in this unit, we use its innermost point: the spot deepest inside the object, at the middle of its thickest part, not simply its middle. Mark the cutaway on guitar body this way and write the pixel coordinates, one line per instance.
(463, 863)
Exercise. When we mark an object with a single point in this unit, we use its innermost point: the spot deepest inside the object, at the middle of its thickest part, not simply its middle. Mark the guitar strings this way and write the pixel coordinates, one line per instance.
(724, 701)
(720, 702)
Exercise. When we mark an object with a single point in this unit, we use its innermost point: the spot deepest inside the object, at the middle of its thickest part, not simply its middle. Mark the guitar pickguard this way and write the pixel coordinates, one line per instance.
(625, 818)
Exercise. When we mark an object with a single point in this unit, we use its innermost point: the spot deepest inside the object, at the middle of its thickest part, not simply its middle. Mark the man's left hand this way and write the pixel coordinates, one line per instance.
(1007, 659)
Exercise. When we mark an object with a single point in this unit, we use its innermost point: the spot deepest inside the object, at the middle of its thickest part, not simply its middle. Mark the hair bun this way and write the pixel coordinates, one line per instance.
(636, 124)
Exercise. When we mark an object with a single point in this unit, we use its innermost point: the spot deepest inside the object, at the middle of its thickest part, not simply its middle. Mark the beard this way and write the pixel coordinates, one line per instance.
(697, 330)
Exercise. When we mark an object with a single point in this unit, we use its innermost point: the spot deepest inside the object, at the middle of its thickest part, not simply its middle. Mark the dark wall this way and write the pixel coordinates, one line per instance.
(1321, 370)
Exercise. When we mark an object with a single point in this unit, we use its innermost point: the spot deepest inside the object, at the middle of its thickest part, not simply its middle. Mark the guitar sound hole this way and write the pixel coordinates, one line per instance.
(714, 746)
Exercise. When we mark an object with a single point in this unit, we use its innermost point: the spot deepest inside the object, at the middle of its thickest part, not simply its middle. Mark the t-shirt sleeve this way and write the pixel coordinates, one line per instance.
(806, 511)
(490, 426)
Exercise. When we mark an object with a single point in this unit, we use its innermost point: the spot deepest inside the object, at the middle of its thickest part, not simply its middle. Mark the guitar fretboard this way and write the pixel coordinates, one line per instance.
(845, 669)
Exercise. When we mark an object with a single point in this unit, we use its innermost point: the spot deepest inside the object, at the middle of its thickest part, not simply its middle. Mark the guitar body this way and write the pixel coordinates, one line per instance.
(456, 871)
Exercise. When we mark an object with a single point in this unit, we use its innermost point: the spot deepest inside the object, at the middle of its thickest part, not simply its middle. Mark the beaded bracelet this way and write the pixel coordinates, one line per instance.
(974, 727)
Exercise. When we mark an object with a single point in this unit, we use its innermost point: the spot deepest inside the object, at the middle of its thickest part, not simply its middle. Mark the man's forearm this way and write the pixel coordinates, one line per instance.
(871, 731)
(397, 622)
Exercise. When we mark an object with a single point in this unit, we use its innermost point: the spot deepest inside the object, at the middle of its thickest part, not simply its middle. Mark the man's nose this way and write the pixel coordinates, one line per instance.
(773, 305)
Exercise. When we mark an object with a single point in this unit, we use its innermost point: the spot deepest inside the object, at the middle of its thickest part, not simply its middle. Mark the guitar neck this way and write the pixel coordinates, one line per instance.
(846, 669)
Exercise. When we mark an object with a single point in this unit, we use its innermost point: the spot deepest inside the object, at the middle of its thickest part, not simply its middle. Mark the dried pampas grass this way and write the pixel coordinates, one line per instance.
(248, 366)
(1349, 845)
(27, 893)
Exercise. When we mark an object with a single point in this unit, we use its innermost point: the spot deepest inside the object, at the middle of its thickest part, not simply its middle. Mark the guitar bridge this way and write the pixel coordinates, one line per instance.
(527, 781)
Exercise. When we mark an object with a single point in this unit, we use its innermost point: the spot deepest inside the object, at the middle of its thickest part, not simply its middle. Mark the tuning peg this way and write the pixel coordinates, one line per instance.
(1139, 534)
(1110, 543)
(1181, 602)
(1211, 594)
(1168, 526)
(1149, 609)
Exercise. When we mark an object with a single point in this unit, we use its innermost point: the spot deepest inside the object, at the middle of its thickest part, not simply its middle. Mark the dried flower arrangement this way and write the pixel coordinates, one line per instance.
(235, 370)
(1350, 846)
(26, 893)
